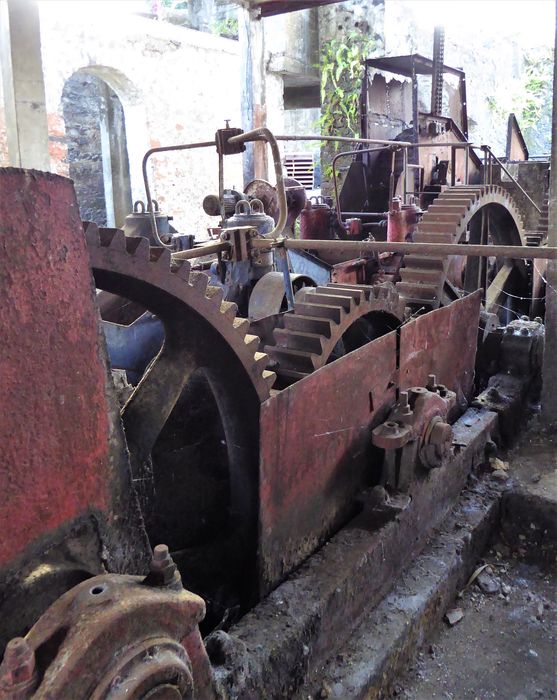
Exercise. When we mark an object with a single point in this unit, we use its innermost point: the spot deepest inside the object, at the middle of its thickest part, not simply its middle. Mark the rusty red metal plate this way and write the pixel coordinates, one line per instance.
(63, 454)
(442, 342)
(316, 453)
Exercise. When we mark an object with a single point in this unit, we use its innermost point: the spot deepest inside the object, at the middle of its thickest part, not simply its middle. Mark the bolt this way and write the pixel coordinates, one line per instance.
(493, 394)
(441, 433)
(524, 318)
(509, 330)
(163, 571)
(431, 381)
(538, 319)
(18, 666)
(403, 399)
(524, 331)
(227, 123)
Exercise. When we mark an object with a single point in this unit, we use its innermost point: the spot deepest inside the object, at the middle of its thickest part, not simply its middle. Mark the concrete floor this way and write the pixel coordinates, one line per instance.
(504, 647)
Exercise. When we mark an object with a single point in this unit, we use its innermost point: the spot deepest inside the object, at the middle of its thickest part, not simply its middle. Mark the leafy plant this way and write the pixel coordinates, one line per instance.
(227, 28)
(342, 70)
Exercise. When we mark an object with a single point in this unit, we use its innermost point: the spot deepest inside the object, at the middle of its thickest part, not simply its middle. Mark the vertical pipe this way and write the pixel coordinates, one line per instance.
(244, 35)
(453, 166)
(549, 390)
(392, 179)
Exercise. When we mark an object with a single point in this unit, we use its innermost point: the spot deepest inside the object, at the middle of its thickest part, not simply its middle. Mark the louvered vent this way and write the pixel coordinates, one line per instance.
(300, 166)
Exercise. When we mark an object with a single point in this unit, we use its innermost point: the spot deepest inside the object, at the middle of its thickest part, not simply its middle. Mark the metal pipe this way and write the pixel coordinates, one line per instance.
(263, 134)
(437, 249)
(163, 149)
(203, 250)
(363, 214)
(494, 157)
(342, 139)
(343, 155)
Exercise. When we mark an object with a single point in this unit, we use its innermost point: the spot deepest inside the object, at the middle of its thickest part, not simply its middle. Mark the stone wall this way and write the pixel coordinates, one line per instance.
(176, 85)
(81, 108)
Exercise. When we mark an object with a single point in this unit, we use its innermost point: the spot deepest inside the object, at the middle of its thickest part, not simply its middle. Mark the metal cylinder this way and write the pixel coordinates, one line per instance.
(138, 223)
(315, 220)
(402, 220)
(251, 214)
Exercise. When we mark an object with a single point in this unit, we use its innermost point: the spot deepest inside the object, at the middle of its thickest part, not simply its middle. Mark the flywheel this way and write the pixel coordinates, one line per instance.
(330, 321)
(205, 346)
(474, 215)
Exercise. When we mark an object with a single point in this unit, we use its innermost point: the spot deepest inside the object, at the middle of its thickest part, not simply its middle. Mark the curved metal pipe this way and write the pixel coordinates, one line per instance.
(264, 134)
(162, 149)
(342, 155)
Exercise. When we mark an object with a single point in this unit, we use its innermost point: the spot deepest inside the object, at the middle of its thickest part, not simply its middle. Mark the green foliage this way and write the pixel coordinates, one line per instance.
(536, 95)
(530, 100)
(227, 28)
(342, 70)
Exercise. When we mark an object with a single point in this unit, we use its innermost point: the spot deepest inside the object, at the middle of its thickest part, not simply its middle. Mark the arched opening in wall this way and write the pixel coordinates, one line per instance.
(97, 149)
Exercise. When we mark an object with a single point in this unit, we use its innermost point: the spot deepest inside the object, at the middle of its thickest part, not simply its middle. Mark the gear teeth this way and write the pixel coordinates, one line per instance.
(312, 330)
(345, 302)
(270, 378)
(241, 325)
(252, 341)
(161, 257)
(181, 268)
(332, 290)
(444, 222)
(199, 280)
(229, 309)
(261, 361)
(113, 238)
(137, 245)
(215, 294)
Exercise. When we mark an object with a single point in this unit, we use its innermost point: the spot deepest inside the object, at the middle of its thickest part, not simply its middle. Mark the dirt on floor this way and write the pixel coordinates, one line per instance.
(499, 639)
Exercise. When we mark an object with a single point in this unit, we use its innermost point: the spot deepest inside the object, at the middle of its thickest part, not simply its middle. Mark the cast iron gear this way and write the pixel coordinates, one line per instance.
(446, 221)
(330, 320)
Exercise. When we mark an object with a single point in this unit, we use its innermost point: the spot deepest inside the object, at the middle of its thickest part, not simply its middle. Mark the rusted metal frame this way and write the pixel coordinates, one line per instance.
(163, 149)
(345, 154)
(264, 134)
(493, 157)
(317, 604)
(359, 247)
(313, 463)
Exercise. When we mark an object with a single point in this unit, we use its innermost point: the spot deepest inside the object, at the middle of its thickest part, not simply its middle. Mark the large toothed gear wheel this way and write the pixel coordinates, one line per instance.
(203, 338)
(456, 217)
(330, 321)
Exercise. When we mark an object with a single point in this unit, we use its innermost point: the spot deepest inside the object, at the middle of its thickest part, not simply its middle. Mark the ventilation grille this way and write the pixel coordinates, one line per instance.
(300, 166)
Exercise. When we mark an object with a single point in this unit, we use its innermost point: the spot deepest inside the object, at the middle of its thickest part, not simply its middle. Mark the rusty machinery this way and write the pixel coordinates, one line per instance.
(246, 442)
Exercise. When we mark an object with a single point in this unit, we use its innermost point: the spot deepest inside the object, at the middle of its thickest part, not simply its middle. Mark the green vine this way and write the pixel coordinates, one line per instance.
(342, 70)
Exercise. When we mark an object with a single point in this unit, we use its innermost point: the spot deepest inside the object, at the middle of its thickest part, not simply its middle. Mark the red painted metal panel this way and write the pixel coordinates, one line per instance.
(442, 342)
(55, 460)
(316, 453)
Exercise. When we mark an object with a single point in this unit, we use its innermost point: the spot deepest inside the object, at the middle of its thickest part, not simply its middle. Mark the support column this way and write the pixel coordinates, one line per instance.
(23, 80)
(549, 391)
(254, 110)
